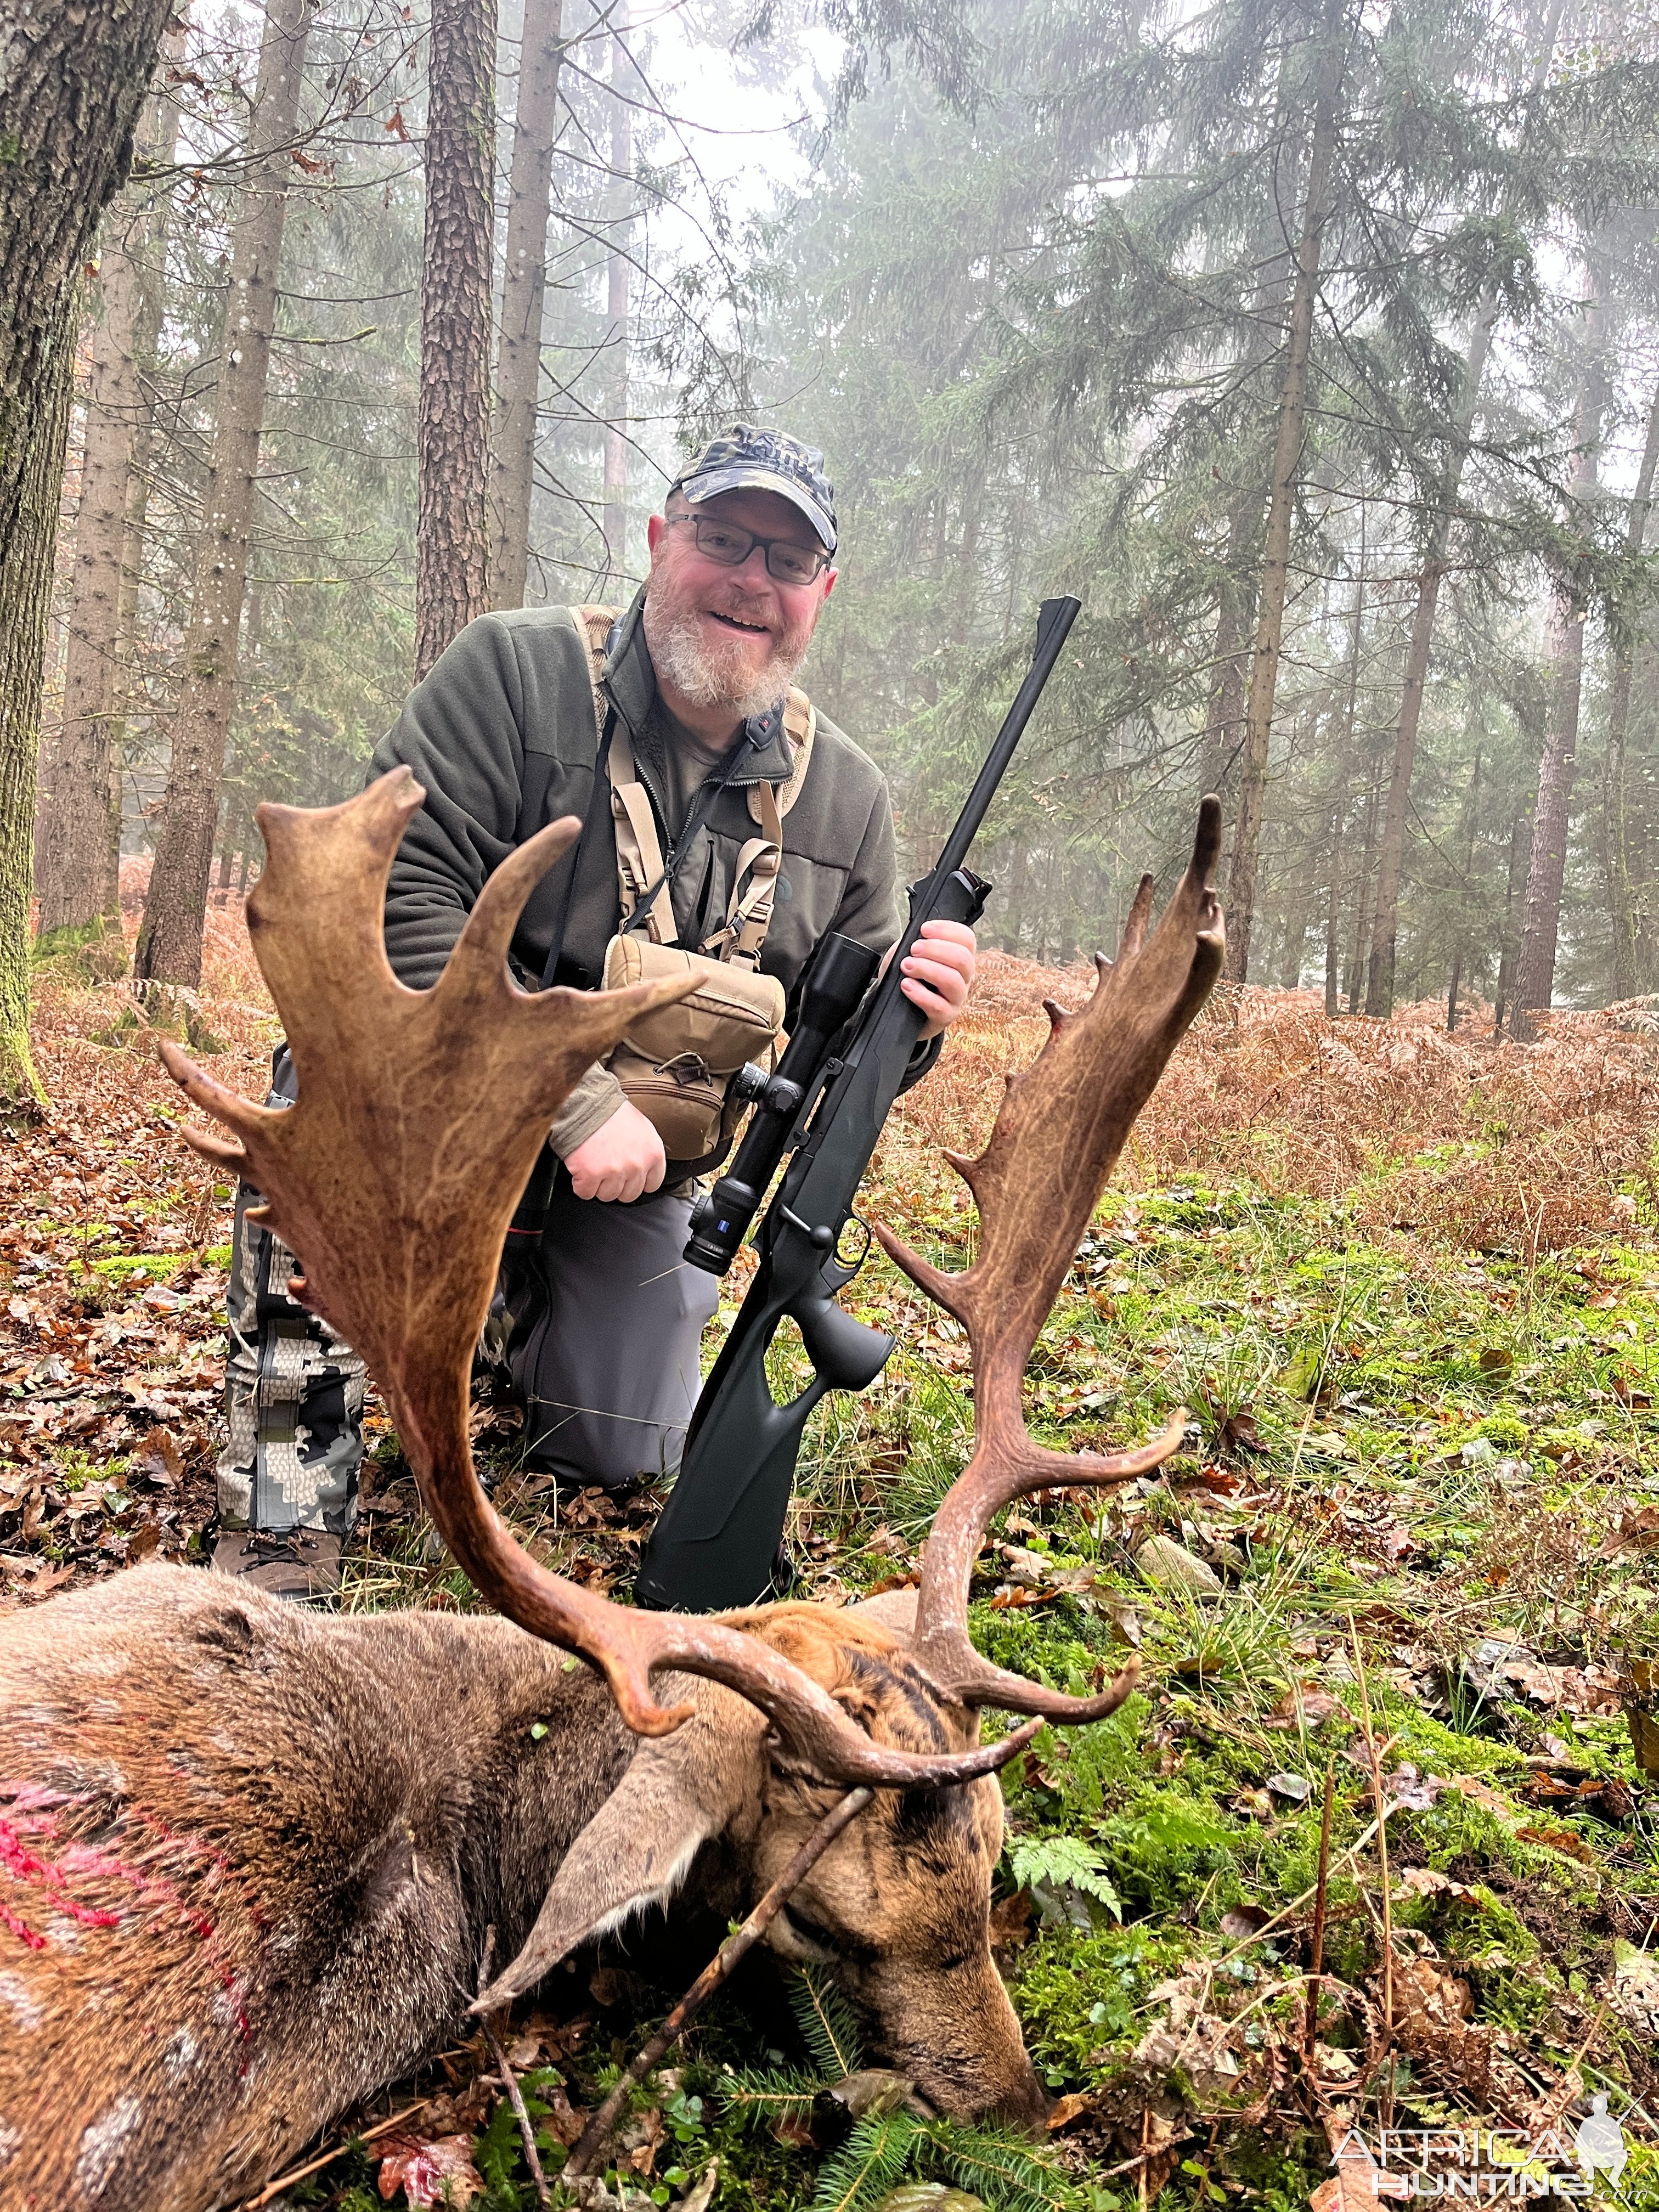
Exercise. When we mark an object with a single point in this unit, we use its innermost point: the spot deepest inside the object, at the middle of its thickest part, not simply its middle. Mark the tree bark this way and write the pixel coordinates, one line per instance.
(1281, 510)
(1629, 949)
(1223, 728)
(1364, 906)
(170, 939)
(72, 81)
(1535, 967)
(523, 292)
(1391, 857)
(453, 418)
(1541, 928)
(616, 287)
(1520, 848)
(75, 879)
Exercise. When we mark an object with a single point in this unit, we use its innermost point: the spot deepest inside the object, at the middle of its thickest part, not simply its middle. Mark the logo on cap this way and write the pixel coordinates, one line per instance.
(744, 459)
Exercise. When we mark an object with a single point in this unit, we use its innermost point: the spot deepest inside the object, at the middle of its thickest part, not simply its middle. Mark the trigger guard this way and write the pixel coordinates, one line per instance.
(837, 1271)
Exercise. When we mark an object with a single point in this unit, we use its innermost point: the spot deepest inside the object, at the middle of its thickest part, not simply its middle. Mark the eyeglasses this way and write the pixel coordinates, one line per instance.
(787, 561)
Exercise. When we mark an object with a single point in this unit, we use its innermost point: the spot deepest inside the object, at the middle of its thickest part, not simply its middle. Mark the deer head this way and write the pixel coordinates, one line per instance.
(393, 1178)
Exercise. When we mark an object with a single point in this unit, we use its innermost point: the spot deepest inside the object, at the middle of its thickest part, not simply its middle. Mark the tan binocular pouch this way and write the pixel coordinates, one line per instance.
(676, 1066)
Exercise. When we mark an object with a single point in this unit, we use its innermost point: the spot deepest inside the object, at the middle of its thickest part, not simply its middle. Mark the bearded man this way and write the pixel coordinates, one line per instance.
(601, 1318)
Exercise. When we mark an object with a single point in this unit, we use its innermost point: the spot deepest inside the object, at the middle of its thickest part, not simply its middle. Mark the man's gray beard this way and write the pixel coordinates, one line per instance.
(678, 653)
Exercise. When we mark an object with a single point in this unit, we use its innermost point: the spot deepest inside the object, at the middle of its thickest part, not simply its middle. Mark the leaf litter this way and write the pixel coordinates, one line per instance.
(1422, 1586)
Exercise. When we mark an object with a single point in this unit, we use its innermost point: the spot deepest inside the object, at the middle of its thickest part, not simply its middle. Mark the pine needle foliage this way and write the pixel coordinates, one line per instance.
(873, 2159)
(826, 2023)
(993, 2164)
(763, 2096)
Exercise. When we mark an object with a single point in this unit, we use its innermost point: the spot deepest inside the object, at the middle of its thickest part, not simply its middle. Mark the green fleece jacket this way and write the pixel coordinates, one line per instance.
(501, 735)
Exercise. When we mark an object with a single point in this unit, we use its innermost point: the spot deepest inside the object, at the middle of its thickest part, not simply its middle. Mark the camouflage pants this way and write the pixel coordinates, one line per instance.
(602, 1320)
(294, 1390)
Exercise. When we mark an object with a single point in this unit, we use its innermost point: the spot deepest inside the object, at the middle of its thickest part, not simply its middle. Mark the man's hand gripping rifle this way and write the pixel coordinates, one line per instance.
(716, 1545)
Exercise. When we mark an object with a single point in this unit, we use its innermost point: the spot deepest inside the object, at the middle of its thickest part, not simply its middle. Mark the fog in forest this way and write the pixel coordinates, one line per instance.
(1315, 349)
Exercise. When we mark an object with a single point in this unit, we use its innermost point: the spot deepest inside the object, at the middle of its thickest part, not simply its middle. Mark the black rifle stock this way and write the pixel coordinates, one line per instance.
(716, 1543)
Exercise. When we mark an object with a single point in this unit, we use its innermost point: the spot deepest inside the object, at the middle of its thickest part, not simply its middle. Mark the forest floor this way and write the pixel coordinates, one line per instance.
(1408, 1286)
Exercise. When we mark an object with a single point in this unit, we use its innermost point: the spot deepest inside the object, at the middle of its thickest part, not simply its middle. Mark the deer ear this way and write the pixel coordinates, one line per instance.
(894, 1609)
(679, 1791)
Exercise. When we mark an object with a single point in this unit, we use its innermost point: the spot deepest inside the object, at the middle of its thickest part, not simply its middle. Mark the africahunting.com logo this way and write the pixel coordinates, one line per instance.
(1478, 2166)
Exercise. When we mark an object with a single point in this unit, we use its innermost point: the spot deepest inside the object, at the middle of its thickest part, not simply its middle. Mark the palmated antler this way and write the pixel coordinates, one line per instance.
(1058, 1133)
(393, 1177)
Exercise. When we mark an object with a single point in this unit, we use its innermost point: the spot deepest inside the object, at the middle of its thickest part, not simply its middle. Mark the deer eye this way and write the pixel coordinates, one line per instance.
(810, 1932)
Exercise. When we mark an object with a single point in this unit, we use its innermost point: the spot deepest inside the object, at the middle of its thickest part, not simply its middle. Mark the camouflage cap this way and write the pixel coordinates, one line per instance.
(746, 458)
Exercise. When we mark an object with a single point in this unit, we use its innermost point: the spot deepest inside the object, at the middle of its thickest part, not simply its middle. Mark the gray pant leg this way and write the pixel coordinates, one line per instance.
(294, 1391)
(607, 1369)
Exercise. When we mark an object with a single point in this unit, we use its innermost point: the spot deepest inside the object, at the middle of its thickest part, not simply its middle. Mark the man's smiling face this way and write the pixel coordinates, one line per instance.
(729, 640)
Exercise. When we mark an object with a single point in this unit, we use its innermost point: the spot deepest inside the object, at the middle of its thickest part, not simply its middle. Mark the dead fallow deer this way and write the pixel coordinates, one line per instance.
(248, 1854)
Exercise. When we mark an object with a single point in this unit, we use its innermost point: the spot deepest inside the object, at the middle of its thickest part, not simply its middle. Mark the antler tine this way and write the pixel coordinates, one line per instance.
(1058, 1134)
(393, 1177)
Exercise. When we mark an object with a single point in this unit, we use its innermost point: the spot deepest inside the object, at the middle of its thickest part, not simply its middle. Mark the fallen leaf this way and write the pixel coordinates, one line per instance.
(1072, 2107)
(699, 2197)
(1645, 1737)
(438, 2172)
(1241, 1923)
(872, 2092)
(1559, 1839)
(144, 1541)
(1358, 2185)
(1163, 1561)
(1010, 1920)
(1303, 1705)
(157, 1457)
(1424, 1881)
(1637, 1533)
(1426, 1993)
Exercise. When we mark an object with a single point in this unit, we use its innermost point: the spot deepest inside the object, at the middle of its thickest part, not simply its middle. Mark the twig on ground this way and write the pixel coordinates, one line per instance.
(1374, 1759)
(597, 2133)
(1316, 1958)
(316, 2165)
(510, 2080)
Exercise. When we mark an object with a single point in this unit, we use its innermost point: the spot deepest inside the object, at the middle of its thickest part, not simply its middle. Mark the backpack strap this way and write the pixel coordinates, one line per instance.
(594, 624)
(749, 916)
(639, 854)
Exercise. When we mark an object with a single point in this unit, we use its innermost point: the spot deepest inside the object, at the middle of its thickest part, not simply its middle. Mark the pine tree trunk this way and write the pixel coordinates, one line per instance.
(1223, 728)
(72, 81)
(170, 939)
(523, 292)
(1364, 884)
(1627, 977)
(453, 419)
(73, 869)
(1333, 920)
(618, 274)
(1281, 509)
(1391, 858)
(1519, 850)
(1540, 929)
(1535, 967)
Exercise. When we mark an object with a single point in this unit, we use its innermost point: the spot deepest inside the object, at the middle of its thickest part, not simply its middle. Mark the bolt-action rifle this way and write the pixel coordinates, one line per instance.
(716, 1545)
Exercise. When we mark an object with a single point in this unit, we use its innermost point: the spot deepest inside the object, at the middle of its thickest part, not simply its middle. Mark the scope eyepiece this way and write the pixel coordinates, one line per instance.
(719, 1222)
